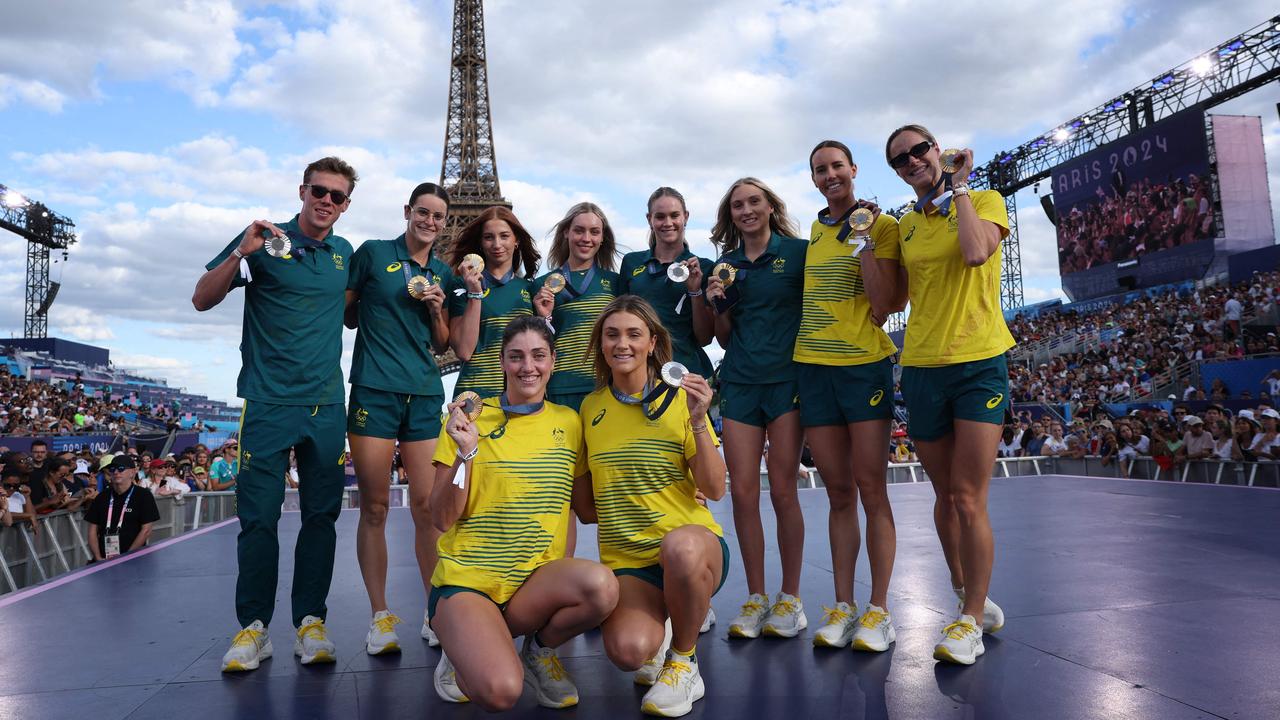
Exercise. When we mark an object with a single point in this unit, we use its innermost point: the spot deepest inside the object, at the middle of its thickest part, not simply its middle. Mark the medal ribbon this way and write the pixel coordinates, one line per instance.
(431, 277)
(649, 395)
(488, 280)
(824, 217)
(940, 196)
(575, 292)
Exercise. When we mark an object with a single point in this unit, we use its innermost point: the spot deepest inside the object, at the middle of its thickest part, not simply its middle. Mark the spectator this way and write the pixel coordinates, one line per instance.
(201, 478)
(1109, 446)
(1055, 445)
(1245, 430)
(223, 471)
(1272, 382)
(1265, 444)
(1167, 447)
(1223, 444)
(1197, 444)
(120, 519)
(17, 497)
(1033, 440)
(39, 461)
(54, 491)
(167, 482)
(902, 450)
(1009, 444)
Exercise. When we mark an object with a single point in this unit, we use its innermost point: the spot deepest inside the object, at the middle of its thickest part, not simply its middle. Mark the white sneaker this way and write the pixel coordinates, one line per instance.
(382, 636)
(678, 687)
(786, 617)
(962, 642)
(750, 617)
(875, 631)
(992, 615)
(648, 673)
(427, 633)
(250, 646)
(548, 678)
(446, 681)
(837, 626)
(312, 642)
(708, 621)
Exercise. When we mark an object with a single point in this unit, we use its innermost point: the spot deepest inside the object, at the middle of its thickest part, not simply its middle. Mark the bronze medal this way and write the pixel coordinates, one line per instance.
(471, 404)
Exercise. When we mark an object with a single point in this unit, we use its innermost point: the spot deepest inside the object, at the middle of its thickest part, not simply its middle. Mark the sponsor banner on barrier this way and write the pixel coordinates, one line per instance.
(99, 444)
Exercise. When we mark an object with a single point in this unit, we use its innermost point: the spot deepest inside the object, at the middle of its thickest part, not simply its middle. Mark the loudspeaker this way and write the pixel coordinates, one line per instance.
(48, 297)
(1046, 202)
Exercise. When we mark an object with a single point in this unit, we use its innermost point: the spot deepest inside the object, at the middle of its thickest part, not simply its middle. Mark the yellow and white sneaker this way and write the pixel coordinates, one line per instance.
(750, 617)
(786, 617)
(427, 633)
(648, 673)
(312, 642)
(446, 682)
(837, 626)
(962, 643)
(250, 646)
(708, 621)
(382, 636)
(875, 631)
(548, 678)
(992, 615)
(678, 687)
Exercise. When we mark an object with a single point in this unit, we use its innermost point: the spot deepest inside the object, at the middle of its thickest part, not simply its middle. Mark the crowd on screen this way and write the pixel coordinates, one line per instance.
(1133, 221)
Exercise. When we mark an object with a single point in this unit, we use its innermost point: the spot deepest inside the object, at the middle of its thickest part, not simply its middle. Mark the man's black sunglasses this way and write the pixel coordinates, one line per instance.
(916, 151)
(318, 191)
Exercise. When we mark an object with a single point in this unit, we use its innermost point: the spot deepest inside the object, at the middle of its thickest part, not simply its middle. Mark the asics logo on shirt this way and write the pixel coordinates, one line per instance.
(394, 267)
(875, 399)
(596, 420)
(993, 402)
(910, 232)
(342, 458)
(637, 271)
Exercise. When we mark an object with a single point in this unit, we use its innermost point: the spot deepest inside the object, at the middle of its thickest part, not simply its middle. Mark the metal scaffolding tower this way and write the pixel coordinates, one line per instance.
(44, 231)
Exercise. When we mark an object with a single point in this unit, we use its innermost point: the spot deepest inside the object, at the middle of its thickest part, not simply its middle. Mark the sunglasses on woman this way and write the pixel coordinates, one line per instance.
(318, 191)
(916, 151)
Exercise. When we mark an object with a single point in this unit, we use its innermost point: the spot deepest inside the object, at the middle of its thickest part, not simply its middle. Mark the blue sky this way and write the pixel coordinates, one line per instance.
(164, 131)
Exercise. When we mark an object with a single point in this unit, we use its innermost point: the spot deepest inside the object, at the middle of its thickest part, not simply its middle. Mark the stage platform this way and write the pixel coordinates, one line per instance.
(1124, 599)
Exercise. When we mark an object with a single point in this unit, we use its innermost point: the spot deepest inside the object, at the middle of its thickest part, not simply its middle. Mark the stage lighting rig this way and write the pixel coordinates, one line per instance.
(44, 231)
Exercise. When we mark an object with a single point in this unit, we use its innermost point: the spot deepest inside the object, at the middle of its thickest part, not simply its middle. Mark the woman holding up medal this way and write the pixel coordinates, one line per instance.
(487, 294)
(505, 470)
(851, 284)
(672, 279)
(395, 297)
(756, 289)
(650, 451)
(955, 379)
(573, 294)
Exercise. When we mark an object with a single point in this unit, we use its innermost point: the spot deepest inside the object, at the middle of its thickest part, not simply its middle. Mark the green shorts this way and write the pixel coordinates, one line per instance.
(936, 396)
(444, 591)
(396, 416)
(572, 400)
(757, 405)
(652, 574)
(843, 394)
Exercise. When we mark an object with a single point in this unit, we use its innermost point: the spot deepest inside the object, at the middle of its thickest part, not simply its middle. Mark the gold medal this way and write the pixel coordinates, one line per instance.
(725, 272)
(473, 261)
(861, 220)
(555, 282)
(950, 159)
(471, 404)
(418, 285)
(278, 245)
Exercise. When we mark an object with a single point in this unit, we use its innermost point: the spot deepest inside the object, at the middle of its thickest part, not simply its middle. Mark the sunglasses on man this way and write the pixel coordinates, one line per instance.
(319, 191)
(917, 151)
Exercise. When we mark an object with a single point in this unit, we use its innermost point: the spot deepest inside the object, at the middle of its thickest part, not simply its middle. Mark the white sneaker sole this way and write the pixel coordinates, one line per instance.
(943, 653)
(744, 631)
(543, 700)
(775, 631)
(873, 644)
(321, 656)
(699, 689)
(823, 641)
(251, 664)
(391, 647)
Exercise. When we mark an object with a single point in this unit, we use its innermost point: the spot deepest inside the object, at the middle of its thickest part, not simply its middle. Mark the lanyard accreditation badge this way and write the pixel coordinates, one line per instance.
(112, 537)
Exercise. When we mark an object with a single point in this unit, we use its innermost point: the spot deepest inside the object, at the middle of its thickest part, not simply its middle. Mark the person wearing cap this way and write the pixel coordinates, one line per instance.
(224, 468)
(120, 517)
(396, 393)
(1199, 444)
(902, 450)
(845, 362)
(294, 396)
(200, 478)
(1266, 444)
(166, 481)
(1245, 430)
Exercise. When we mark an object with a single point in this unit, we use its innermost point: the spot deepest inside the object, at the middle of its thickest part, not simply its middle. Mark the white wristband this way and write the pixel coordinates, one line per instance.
(474, 451)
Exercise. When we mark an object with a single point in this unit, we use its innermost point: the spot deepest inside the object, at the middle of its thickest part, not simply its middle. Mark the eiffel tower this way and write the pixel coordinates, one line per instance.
(469, 166)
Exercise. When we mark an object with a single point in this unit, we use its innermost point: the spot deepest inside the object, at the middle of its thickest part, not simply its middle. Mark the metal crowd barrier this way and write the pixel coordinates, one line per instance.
(28, 558)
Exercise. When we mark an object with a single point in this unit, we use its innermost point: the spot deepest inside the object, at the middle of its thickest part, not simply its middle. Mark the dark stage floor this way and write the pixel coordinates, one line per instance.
(1124, 599)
